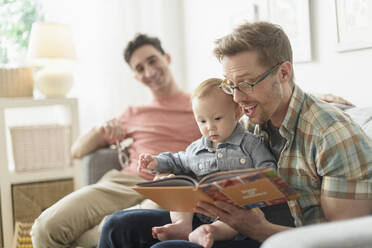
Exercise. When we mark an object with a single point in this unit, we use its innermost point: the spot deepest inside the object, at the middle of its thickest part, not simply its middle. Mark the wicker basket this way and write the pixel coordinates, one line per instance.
(22, 238)
(16, 82)
(31, 199)
(41, 147)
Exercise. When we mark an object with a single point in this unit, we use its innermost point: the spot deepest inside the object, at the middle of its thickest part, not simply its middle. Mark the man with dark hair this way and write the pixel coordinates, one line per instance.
(166, 123)
(141, 40)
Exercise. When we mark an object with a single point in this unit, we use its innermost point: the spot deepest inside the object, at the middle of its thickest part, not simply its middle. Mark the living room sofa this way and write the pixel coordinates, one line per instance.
(354, 233)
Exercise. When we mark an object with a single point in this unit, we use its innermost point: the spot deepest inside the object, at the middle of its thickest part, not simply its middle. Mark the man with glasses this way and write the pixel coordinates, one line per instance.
(166, 123)
(323, 155)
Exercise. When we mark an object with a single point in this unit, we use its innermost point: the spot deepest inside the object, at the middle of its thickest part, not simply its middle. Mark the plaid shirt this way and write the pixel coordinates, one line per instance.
(326, 153)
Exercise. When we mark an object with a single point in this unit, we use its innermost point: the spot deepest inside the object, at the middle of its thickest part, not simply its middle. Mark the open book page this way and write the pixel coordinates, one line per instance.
(259, 189)
(180, 198)
(171, 181)
(183, 180)
(229, 174)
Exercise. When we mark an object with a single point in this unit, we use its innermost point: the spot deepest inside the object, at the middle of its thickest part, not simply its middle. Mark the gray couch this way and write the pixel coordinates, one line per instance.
(354, 233)
(96, 164)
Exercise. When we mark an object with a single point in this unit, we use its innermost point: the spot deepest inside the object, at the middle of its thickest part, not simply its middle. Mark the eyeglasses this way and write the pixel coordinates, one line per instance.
(246, 87)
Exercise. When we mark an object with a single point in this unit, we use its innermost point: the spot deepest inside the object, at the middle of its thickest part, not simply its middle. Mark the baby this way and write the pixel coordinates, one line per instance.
(224, 145)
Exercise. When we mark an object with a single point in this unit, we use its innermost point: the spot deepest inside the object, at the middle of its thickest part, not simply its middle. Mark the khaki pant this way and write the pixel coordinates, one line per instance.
(74, 220)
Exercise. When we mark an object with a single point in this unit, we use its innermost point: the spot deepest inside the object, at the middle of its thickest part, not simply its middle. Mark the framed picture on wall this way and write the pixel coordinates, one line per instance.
(251, 11)
(354, 24)
(294, 17)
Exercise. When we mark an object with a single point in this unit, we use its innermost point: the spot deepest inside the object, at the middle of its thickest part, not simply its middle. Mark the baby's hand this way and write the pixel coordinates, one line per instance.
(147, 162)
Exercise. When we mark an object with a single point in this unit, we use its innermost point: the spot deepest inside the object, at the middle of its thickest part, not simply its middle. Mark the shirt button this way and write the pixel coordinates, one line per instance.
(220, 155)
(242, 160)
(200, 166)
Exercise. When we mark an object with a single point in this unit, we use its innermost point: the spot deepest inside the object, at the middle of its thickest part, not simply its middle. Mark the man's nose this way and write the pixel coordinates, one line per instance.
(239, 96)
(149, 71)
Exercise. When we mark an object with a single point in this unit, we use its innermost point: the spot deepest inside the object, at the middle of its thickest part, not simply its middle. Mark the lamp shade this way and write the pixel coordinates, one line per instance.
(51, 49)
(50, 41)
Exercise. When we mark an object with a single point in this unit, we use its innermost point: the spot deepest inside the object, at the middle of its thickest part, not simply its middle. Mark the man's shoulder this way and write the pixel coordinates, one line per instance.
(320, 115)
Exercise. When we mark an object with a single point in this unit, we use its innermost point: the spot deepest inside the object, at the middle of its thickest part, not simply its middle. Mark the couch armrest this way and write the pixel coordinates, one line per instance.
(97, 163)
(339, 234)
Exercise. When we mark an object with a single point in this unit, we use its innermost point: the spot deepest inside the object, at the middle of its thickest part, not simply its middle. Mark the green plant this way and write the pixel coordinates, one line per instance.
(16, 18)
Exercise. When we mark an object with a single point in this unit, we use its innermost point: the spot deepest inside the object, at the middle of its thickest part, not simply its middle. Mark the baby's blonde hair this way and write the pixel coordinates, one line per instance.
(206, 87)
(211, 87)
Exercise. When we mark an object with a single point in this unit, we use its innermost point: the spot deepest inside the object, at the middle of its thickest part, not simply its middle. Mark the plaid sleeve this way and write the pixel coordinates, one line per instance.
(347, 189)
(344, 161)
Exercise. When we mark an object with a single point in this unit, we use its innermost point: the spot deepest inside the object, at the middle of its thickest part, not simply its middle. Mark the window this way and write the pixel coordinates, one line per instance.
(16, 18)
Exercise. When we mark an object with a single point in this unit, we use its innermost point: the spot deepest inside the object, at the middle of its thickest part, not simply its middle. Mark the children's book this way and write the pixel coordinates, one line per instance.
(246, 188)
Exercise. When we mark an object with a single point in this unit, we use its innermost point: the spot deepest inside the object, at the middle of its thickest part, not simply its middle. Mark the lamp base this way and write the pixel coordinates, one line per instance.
(54, 83)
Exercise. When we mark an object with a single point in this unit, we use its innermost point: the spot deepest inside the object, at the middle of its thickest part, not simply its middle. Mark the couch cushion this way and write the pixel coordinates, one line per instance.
(363, 116)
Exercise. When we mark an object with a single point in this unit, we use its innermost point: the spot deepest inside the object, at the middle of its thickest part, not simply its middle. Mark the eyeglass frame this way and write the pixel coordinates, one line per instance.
(259, 80)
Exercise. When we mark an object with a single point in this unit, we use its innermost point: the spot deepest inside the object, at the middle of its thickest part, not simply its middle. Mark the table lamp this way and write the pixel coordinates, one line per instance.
(52, 53)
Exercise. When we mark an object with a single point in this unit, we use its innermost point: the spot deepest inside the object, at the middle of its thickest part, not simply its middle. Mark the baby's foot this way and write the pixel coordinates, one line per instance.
(203, 235)
(179, 231)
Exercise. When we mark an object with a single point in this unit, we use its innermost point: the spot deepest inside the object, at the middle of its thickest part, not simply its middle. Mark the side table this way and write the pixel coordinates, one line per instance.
(8, 176)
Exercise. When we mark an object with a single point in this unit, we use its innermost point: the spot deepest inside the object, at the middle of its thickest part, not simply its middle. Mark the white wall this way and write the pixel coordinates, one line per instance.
(345, 74)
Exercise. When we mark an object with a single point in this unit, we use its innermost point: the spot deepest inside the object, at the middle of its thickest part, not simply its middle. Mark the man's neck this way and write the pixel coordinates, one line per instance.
(171, 90)
(281, 112)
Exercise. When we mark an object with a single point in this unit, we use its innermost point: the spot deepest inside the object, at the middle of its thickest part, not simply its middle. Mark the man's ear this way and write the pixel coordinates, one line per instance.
(285, 71)
(168, 57)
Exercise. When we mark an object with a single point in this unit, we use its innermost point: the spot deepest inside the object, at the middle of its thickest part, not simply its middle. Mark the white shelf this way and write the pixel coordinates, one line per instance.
(21, 102)
(40, 176)
(9, 177)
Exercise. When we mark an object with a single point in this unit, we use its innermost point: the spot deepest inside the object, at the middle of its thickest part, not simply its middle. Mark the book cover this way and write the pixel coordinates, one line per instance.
(246, 188)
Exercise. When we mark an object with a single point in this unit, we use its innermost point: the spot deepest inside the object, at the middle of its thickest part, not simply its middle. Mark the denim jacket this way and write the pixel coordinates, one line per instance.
(240, 151)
